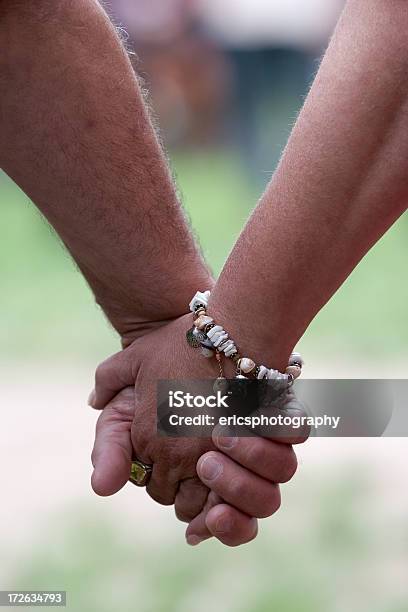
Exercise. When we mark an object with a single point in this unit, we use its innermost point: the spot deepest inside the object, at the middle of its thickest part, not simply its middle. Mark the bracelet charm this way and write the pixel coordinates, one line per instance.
(215, 341)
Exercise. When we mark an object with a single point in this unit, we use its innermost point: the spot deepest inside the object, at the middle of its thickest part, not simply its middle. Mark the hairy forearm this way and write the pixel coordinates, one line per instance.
(340, 184)
(77, 139)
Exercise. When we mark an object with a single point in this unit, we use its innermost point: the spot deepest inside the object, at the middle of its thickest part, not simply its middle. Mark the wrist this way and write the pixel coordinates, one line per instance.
(214, 340)
(259, 337)
(134, 322)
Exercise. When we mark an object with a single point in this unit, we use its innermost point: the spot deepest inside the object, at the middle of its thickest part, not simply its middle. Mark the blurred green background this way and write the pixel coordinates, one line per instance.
(331, 547)
(340, 541)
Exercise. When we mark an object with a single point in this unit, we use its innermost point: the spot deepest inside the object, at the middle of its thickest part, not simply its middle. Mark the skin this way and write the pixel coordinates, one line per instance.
(339, 186)
(77, 138)
(73, 114)
(249, 489)
(247, 477)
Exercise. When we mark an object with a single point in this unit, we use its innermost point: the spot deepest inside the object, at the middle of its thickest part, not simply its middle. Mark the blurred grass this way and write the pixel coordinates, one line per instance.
(329, 557)
(47, 310)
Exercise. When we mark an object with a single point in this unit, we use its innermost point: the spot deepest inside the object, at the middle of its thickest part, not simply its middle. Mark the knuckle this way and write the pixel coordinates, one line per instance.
(183, 513)
(288, 466)
(256, 452)
(184, 463)
(270, 503)
(181, 456)
(246, 537)
(100, 423)
(123, 404)
(159, 497)
(253, 534)
(190, 499)
(142, 439)
(302, 435)
(237, 488)
(102, 371)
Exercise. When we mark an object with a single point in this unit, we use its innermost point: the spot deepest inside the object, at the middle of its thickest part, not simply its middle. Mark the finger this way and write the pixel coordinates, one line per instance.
(190, 499)
(112, 451)
(197, 530)
(164, 479)
(293, 434)
(112, 375)
(289, 425)
(173, 462)
(238, 486)
(272, 460)
(161, 487)
(230, 526)
(227, 524)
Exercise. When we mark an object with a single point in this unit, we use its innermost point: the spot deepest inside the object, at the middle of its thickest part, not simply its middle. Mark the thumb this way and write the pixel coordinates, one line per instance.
(112, 451)
(111, 376)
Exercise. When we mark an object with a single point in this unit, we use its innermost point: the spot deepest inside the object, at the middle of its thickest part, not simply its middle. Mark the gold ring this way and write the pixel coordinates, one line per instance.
(140, 473)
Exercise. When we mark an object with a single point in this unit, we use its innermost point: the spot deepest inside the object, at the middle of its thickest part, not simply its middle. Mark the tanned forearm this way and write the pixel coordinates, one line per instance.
(76, 137)
(341, 183)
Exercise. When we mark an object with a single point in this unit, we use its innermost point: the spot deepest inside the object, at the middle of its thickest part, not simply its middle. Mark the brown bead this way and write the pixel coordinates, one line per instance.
(202, 321)
(294, 371)
(208, 327)
(246, 365)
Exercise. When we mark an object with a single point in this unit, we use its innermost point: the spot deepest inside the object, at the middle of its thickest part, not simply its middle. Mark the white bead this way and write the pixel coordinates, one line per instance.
(272, 374)
(225, 345)
(214, 330)
(199, 298)
(217, 341)
(202, 321)
(280, 380)
(262, 372)
(230, 351)
(216, 335)
(246, 365)
(218, 338)
(295, 358)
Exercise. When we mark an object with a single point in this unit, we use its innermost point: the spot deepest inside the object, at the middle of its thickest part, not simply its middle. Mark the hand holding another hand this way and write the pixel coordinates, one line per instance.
(219, 486)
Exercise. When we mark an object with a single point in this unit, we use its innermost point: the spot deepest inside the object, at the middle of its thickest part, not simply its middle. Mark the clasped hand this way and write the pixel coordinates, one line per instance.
(219, 486)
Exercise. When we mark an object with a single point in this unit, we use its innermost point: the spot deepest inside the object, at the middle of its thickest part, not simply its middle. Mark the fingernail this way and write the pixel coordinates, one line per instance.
(223, 525)
(225, 442)
(91, 398)
(209, 468)
(222, 439)
(193, 540)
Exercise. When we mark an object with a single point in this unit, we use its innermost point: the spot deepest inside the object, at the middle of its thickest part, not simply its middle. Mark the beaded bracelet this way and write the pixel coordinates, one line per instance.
(214, 340)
